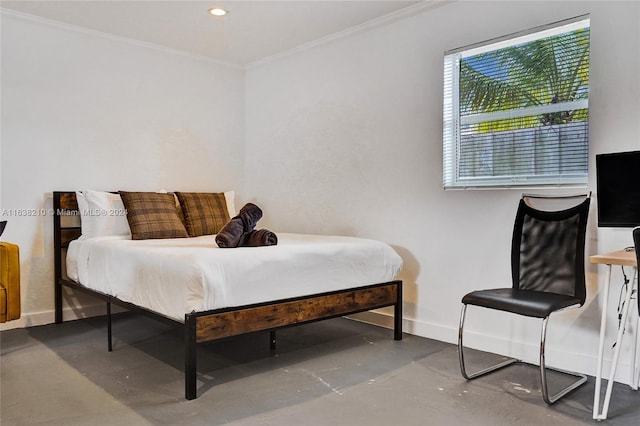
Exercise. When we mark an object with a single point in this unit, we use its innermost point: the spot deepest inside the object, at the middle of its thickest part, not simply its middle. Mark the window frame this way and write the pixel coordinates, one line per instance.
(452, 120)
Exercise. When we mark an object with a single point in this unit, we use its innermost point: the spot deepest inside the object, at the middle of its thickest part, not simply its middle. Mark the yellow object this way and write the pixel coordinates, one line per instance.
(9, 282)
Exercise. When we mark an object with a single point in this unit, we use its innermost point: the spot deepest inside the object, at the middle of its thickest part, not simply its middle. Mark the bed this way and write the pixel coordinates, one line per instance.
(208, 312)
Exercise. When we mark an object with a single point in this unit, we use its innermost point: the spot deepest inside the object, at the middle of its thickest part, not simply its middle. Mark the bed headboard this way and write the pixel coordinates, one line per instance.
(65, 230)
(65, 205)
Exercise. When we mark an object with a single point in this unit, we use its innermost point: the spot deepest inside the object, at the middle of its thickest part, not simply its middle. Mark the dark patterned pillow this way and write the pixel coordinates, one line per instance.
(204, 213)
(152, 215)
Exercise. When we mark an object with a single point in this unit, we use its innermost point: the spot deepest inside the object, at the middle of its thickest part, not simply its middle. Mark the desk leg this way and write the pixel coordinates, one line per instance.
(603, 323)
(635, 370)
(616, 352)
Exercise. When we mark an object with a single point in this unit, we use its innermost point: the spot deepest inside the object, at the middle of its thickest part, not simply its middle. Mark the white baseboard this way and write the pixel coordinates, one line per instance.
(68, 314)
(529, 352)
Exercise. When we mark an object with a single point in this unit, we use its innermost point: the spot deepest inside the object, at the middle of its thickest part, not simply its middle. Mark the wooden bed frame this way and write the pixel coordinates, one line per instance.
(220, 323)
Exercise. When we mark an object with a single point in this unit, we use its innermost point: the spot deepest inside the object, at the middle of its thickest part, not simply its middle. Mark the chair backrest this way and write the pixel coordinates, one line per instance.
(636, 243)
(547, 250)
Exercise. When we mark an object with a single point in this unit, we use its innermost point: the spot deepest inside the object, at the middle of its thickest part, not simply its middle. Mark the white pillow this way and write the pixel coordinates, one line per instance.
(88, 227)
(230, 199)
(102, 214)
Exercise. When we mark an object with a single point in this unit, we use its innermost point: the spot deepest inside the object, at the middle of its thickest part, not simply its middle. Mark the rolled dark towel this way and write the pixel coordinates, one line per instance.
(261, 237)
(234, 232)
(231, 233)
(250, 215)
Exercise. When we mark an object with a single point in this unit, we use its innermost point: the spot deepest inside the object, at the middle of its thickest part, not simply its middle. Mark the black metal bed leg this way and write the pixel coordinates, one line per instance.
(190, 357)
(272, 340)
(57, 259)
(109, 339)
(397, 315)
(57, 293)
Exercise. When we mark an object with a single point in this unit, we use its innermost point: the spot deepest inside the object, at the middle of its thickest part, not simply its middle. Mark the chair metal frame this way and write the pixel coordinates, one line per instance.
(582, 378)
(549, 399)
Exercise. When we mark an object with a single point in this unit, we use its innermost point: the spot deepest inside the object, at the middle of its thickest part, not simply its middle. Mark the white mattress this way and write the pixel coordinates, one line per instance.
(176, 276)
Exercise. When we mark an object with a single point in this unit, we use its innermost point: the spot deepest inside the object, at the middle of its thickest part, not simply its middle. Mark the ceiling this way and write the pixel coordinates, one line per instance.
(250, 32)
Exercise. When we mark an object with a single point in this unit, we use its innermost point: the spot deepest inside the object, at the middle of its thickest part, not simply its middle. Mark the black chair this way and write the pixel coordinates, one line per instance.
(547, 268)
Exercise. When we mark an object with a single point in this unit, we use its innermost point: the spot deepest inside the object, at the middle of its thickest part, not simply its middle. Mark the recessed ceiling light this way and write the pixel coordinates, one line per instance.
(218, 11)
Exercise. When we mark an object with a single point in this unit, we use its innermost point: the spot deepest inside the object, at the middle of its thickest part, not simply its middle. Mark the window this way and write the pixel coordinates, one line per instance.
(515, 109)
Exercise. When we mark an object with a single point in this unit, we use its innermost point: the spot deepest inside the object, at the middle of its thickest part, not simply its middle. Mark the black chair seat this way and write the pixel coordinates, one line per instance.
(523, 302)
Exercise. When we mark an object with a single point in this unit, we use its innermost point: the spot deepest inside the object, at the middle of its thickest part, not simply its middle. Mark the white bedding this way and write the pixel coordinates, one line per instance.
(176, 276)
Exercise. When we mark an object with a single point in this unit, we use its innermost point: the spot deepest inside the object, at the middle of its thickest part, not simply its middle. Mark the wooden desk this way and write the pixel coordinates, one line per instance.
(623, 258)
(620, 257)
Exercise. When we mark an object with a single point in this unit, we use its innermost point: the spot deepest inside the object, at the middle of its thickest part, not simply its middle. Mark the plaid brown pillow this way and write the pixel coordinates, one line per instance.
(204, 213)
(152, 215)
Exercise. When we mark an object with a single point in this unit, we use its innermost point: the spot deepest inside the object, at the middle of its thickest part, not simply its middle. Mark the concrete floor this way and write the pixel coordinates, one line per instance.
(336, 372)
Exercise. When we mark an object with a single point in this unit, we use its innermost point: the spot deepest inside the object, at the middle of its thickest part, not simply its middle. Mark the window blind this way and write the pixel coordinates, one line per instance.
(515, 109)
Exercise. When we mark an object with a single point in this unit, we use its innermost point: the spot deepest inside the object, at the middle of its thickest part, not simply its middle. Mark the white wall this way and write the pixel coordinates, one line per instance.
(80, 110)
(345, 137)
(341, 138)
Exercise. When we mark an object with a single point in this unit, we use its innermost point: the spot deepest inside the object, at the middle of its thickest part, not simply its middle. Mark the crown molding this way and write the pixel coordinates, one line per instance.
(121, 39)
(372, 23)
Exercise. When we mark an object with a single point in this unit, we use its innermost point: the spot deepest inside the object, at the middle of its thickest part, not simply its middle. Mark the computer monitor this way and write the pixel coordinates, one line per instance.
(618, 176)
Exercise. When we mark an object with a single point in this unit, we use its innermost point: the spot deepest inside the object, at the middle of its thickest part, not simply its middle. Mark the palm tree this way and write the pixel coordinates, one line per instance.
(542, 72)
